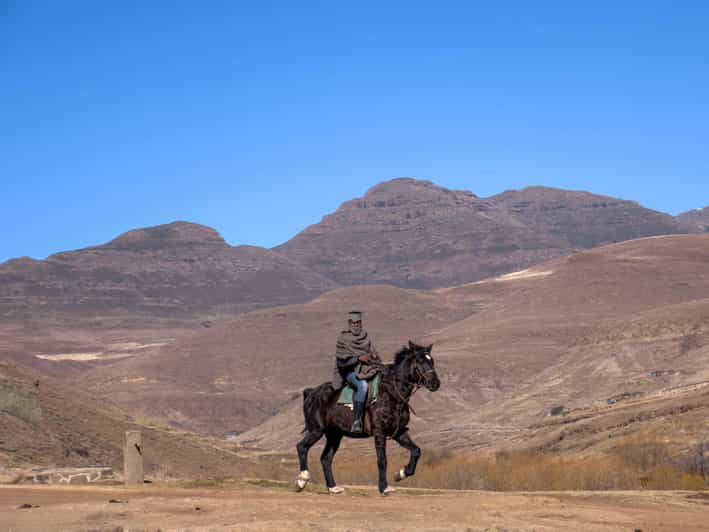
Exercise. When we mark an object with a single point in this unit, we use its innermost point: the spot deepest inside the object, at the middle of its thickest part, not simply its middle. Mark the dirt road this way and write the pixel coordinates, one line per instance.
(250, 507)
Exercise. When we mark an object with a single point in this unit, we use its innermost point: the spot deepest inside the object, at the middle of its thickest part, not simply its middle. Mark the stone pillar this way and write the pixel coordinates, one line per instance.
(133, 458)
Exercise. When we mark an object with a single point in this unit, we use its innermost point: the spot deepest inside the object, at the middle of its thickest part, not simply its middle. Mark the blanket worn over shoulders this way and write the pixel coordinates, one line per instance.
(349, 348)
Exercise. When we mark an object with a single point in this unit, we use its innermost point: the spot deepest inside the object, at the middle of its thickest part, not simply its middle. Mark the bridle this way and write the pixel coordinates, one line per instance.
(421, 375)
(420, 379)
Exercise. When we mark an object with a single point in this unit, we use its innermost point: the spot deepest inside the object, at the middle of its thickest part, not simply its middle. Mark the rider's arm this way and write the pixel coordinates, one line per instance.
(347, 362)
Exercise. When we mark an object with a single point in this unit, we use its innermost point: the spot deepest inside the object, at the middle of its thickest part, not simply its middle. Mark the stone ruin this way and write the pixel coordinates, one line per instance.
(69, 475)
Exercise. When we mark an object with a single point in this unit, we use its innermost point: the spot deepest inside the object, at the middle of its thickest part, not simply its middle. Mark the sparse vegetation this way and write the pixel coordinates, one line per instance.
(690, 341)
(632, 465)
(203, 483)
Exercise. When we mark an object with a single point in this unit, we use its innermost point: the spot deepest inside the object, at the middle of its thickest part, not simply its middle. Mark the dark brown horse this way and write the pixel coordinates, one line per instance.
(388, 416)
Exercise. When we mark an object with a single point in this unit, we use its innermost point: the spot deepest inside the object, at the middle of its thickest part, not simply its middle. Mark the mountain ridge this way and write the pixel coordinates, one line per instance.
(414, 233)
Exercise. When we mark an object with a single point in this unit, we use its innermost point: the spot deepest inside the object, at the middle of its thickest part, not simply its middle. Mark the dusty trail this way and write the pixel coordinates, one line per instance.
(247, 507)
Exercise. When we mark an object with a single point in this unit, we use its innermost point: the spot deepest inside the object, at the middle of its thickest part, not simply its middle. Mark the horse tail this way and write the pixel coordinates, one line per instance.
(307, 392)
(313, 401)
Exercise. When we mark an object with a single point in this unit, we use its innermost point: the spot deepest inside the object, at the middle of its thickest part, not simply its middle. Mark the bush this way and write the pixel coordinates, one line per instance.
(632, 465)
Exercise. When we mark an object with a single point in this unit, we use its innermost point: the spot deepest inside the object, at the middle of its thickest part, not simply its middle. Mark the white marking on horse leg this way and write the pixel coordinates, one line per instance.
(303, 479)
(335, 490)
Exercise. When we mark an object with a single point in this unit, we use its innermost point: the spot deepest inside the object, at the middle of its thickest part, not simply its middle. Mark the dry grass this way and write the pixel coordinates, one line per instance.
(630, 466)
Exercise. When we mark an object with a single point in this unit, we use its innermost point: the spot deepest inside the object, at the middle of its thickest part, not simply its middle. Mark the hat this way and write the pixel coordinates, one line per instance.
(355, 315)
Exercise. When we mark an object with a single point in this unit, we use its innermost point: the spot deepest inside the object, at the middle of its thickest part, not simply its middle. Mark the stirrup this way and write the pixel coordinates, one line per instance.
(356, 426)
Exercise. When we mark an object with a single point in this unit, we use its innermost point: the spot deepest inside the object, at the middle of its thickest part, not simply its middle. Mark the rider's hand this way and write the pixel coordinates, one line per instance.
(364, 358)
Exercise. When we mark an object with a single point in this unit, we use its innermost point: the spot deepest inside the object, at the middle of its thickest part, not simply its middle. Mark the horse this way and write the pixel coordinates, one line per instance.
(412, 368)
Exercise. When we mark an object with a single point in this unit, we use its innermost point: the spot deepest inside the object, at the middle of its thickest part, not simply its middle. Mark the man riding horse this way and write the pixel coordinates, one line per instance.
(354, 357)
(412, 368)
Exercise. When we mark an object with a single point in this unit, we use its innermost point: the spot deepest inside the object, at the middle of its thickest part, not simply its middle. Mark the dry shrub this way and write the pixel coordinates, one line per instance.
(692, 482)
(632, 465)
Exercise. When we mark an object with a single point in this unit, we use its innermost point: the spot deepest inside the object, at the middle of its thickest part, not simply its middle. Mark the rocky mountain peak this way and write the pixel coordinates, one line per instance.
(167, 235)
(413, 190)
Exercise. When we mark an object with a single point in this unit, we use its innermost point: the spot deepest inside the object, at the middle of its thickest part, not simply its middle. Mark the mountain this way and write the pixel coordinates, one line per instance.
(175, 270)
(413, 233)
(142, 289)
(404, 232)
(698, 218)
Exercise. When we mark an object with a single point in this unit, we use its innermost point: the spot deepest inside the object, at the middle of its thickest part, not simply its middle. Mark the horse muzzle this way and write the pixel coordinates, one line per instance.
(432, 383)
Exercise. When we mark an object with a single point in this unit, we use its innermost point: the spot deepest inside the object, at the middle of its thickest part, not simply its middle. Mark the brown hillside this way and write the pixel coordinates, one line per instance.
(45, 422)
(240, 372)
(573, 332)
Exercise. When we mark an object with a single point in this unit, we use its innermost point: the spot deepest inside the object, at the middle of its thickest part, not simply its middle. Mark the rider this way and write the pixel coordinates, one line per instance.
(355, 353)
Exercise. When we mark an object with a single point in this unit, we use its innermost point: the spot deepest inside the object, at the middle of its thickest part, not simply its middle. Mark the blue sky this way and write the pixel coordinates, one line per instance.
(257, 118)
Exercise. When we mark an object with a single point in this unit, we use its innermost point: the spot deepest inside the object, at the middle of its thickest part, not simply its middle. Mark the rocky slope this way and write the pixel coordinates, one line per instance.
(46, 422)
(414, 233)
(698, 218)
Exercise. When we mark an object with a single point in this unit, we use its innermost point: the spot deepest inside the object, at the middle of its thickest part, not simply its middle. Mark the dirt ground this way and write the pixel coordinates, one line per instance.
(251, 507)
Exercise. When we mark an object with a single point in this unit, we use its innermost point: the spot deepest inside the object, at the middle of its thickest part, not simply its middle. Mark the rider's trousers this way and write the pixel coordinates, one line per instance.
(360, 387)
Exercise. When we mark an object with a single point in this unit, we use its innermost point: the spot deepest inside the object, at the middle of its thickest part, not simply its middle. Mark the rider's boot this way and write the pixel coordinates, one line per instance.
(357, 411)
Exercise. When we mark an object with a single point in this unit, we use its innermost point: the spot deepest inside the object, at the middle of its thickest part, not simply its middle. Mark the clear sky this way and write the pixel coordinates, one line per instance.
(257, 118)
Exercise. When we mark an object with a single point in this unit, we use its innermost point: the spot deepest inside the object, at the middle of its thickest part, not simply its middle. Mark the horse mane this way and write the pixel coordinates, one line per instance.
(401, 354)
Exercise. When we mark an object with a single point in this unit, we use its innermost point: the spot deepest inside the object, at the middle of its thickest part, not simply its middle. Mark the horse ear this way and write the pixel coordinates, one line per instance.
(411, 344)
(429, 348)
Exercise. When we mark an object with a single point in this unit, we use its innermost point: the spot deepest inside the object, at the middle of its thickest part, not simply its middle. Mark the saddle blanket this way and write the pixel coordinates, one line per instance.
(347, 392)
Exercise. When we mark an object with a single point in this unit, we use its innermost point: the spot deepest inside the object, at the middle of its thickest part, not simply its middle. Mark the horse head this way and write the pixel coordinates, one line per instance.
(421, 365)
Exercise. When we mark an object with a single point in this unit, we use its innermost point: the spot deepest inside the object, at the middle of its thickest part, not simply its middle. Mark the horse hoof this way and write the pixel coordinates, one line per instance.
(335, 490)
(302, 480)
(388, 491)
(400, 475)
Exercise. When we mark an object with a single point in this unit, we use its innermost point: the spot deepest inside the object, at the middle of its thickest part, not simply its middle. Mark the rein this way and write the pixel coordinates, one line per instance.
(420, 378)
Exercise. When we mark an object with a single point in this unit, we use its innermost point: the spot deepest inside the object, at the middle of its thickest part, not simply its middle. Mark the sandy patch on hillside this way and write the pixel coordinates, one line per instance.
(522, 274)
(115, 351)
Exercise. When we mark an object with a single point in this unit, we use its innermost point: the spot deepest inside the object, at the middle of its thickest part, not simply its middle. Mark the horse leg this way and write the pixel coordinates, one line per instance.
(332, 444)
(405, 441)
(380, 443)
(303, 447)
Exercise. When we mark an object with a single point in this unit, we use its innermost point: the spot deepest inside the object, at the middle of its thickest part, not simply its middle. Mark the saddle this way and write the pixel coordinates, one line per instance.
(347, 393)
